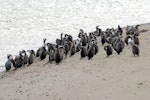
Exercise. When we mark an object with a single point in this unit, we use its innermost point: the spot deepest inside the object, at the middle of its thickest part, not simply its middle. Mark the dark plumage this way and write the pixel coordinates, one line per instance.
(50, 46)
(83, 52)
(43, 54)
(18, 61)
(91, 51)
(68, 38)
(38, 52)
(135, 50)
(31, 57)
(84, 40)
(57, 57)
(25, 57)
(136, 40)
(67, 49)
(103, 39)
(72, 50)
(98, 31)
(51, 55)
(118, 48)
(96, 48)
(122, 44)
(120, 30)
(108, 50)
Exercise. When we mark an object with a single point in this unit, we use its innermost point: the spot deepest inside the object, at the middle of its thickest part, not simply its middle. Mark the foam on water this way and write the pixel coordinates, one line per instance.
(24, 23)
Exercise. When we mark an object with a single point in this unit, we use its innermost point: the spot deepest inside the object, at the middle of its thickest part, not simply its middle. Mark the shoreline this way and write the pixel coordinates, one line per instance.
(118, 77)
(3, 66)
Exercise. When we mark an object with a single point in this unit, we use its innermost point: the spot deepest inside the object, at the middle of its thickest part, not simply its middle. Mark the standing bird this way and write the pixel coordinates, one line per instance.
(44, 53)
(51, 55)
(118, 47)
(57, 56)
(8, 62)
(103, 38)
(108, 50)
(25, 57)
(135, 50)
(31, 57)
(98, 31)
(91, 51)
(39, 51)
(66, 48)
(72, 49)
(18, 61)
(83, 52)
(135, 47)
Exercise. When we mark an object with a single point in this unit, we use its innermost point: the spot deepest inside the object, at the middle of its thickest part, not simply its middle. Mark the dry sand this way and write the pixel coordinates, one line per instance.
(118, 77)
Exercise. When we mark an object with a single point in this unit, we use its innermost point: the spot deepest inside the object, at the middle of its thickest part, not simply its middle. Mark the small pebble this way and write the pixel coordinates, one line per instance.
(140, 83)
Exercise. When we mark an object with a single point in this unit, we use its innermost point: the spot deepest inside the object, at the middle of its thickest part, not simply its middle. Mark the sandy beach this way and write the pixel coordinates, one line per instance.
(118, 77)
(24, 23)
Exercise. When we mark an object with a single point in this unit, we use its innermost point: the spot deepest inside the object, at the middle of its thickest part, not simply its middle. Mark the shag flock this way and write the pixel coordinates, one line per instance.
(87, 44)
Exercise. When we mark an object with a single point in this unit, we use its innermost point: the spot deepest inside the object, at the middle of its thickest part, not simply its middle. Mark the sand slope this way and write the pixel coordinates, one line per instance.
(119, 77)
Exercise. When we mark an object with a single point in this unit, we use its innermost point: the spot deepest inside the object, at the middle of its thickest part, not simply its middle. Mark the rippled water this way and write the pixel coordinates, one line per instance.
(24, 23)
